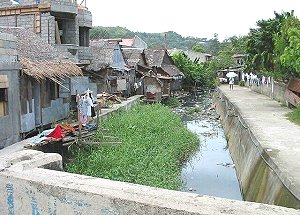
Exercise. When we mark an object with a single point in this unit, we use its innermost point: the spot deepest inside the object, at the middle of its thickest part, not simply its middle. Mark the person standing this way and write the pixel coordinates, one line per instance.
(85, 109)
(231, 81)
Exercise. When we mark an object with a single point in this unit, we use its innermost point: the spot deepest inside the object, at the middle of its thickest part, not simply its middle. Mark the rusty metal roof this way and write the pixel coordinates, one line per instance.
(294, 85)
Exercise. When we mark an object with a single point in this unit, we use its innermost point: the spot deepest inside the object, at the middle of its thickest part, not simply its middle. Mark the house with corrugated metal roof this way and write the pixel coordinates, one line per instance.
(32, 94)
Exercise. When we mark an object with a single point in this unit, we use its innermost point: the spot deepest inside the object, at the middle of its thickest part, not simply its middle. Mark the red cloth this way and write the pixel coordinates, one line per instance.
(57, 133)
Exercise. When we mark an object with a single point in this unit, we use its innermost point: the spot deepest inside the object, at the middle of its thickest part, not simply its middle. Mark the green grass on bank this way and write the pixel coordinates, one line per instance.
(155, 143)
(294, 116)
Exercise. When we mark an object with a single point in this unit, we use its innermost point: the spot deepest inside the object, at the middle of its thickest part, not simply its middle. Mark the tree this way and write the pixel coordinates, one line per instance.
(214, 45)
(198, 48)
(196, 74)
(261, 44)
(287, 47)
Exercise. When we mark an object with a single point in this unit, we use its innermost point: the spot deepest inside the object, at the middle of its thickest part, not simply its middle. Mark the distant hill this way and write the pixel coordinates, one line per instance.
(154, 40)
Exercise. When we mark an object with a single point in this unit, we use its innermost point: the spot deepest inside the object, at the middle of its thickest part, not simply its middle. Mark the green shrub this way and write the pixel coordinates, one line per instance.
(294, 116)
(242, 83)
(171, 102)
(194, 110)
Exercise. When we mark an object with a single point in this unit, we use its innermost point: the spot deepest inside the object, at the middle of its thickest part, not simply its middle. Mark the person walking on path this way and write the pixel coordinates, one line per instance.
(231, 83)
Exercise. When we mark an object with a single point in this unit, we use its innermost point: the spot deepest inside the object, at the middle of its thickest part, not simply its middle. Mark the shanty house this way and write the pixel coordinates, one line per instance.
(162, 64)
(108, 67)
(152, 87)
(43, 98)
(133, 57)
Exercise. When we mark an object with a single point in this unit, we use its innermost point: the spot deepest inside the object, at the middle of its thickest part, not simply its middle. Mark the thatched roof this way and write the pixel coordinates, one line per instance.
(39, 59)
(103, 52)
(132, 56)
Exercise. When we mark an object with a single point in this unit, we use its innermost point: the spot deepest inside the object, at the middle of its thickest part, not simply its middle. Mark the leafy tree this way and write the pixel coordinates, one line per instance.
(196, 74)
(260, 45)
(214, 45)
(287, 45)
(198, 48)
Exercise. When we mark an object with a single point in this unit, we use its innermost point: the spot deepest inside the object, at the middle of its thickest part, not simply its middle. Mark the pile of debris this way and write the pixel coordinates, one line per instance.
(106, 100)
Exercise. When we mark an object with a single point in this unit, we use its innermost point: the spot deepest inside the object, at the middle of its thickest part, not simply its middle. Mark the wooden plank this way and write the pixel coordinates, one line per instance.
(99, 143)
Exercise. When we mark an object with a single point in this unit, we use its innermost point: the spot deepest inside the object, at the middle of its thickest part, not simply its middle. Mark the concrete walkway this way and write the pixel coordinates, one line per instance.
(278, 136)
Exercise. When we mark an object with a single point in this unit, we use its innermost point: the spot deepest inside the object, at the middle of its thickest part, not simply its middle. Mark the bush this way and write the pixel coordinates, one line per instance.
(242, 83)
(194, 110)
(294, 116)
(171, 102)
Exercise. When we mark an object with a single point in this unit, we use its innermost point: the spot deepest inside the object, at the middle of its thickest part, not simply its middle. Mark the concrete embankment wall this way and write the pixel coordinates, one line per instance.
(33, 182)
(257, 173)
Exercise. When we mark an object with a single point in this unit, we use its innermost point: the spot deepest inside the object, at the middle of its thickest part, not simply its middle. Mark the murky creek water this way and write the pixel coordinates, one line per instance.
(210, 171)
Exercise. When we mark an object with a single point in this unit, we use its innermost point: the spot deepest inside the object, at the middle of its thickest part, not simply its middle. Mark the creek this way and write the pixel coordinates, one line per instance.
(210, 170)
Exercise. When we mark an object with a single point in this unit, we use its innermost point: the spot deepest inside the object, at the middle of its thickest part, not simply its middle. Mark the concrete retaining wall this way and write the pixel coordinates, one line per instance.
(31, 183)
(256, 172)
(278, 91)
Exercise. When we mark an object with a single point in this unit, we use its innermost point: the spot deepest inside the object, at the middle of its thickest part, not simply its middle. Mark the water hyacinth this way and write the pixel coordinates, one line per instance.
(155, 144)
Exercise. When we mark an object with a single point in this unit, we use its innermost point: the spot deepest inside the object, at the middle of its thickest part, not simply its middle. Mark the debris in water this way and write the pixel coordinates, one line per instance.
(227, 164)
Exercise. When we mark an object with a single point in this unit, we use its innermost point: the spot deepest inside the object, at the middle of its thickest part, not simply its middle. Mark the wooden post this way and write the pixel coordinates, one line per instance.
(98, 110)
(78, 116)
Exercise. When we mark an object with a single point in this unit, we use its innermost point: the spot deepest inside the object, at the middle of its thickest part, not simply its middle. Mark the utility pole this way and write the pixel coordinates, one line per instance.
(166, 41)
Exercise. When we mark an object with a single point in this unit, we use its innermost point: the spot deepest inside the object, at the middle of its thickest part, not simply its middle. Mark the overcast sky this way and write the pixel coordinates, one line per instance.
(195, 18)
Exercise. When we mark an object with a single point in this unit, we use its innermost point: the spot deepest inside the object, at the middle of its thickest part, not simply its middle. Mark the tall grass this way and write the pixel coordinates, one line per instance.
(294, 116)
(154, 146)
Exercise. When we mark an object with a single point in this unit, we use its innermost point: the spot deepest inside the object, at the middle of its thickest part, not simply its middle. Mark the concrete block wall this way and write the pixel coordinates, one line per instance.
(28, 2)
(31, 184)
(8, 21)
(26, 21)
(48, 28)
(85, 54)
(67, 6)
(81, 84)
(10, 124)
(84, 18)
(5, 3)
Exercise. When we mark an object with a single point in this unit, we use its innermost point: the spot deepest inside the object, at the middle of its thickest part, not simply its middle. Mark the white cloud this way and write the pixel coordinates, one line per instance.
(190, 17)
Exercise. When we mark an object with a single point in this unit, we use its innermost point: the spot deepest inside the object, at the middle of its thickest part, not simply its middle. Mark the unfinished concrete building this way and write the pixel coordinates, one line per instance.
(63, 24)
